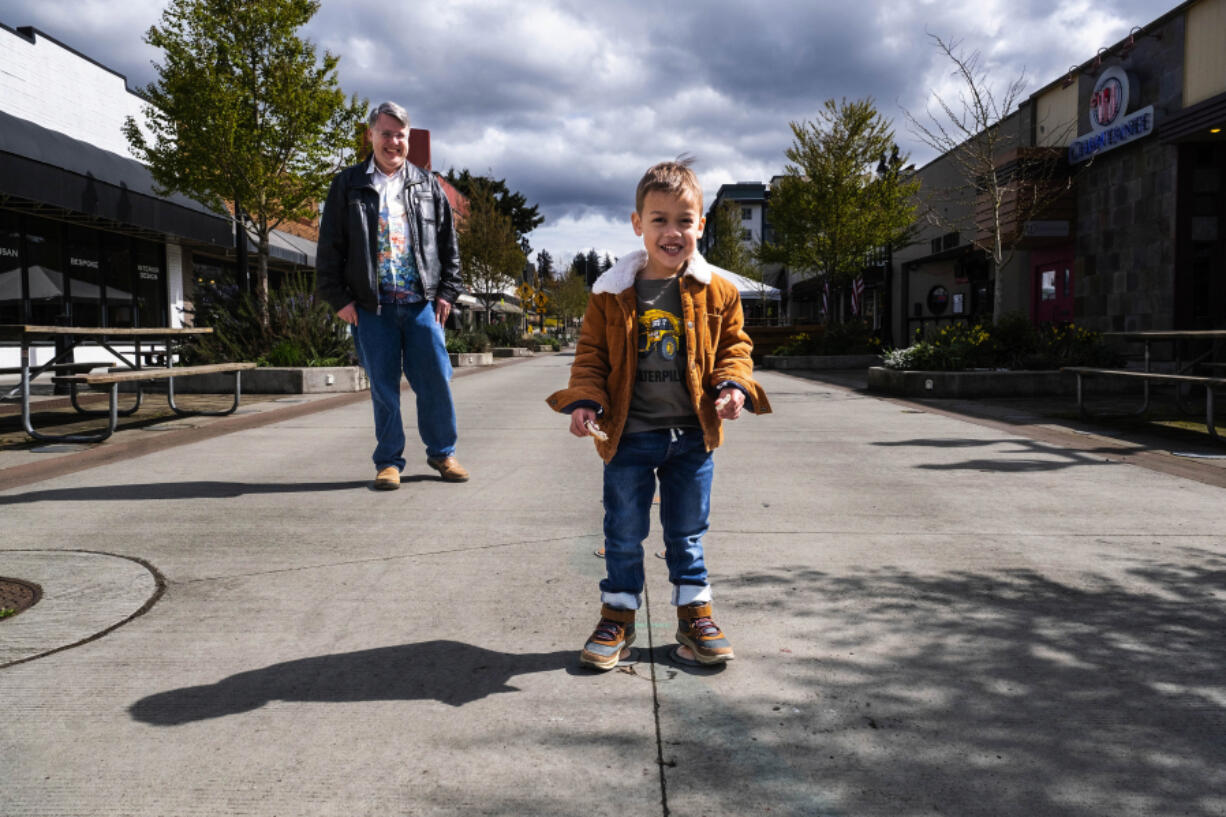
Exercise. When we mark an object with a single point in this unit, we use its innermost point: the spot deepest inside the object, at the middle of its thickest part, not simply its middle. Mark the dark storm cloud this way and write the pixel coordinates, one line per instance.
(570, 101)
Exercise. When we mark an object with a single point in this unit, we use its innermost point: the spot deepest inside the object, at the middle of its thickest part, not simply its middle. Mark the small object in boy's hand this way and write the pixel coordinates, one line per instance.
(595, 431)
(723, 401)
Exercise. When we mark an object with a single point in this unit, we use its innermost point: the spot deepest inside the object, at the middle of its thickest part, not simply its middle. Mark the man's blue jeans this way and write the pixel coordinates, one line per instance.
(680, 460)
(406, 337)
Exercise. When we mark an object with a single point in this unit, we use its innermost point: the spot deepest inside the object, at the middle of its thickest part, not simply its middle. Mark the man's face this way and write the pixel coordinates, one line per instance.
(389, 140)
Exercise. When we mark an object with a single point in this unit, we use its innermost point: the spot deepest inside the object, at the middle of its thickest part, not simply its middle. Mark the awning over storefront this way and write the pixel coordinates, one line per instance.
(287, 247)
(44, 171)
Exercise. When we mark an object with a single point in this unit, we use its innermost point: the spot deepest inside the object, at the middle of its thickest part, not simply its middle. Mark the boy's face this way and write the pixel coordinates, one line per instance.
(670, 226)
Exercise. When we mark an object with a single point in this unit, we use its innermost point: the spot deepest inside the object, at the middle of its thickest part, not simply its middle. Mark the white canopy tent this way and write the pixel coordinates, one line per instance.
(750, 290)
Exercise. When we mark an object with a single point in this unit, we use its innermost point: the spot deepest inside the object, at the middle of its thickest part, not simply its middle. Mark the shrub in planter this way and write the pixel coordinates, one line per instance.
(848, 338)
(802, 343)
(504, 334)
(461, 342)
(539, 343)
(1012, 343)
(302, 330)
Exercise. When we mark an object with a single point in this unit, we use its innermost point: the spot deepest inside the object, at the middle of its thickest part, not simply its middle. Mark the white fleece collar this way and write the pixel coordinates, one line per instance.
(620, 276)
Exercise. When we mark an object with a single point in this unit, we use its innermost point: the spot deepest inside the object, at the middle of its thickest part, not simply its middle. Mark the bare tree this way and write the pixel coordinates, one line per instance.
(989, 147)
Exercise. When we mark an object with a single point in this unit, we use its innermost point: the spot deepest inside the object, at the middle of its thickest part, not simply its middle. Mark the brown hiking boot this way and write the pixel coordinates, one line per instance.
(614, 633)
(388, 479)
(449, 468)
(696, 630)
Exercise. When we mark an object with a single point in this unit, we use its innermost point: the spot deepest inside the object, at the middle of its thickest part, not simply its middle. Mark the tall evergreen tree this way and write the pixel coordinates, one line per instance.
(544, 267)
(244, 112)
(512, 204)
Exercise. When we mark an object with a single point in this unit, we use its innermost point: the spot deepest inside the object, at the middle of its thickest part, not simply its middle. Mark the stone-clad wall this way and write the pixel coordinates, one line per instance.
(1125, 267)
(1124, 274)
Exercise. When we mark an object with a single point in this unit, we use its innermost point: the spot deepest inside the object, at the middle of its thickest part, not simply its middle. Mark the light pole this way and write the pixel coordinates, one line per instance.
(887, 171)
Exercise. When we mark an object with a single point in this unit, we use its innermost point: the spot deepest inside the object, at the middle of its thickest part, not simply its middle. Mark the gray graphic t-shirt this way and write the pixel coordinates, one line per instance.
(661, 397)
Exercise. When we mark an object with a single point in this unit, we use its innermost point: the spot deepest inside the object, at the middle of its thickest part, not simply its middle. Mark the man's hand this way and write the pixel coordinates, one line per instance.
(579, 418)
(349, 313)
(730, 402)
(441, 310)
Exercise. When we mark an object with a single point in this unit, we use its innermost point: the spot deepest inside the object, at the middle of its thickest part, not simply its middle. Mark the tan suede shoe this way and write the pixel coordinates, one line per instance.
(388, 479)
(449, 468)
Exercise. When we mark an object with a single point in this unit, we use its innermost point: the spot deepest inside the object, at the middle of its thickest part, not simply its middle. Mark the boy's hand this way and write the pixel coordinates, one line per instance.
(579, 418)
(729, 404)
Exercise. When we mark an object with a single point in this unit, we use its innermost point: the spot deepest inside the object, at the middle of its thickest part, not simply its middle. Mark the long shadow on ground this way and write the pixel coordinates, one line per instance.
(449, 672)
(198, 489)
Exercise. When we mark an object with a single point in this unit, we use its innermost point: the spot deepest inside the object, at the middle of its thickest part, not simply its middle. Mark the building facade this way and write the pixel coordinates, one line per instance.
(1137, 240)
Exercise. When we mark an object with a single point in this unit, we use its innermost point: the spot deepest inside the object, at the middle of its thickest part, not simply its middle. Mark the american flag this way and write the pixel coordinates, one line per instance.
(857, 293)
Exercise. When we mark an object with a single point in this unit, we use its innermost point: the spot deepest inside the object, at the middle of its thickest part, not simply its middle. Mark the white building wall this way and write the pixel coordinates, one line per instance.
(753, 223)
(53, 86)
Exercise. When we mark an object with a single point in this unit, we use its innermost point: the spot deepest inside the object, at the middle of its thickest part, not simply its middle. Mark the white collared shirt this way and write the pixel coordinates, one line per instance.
(389, 187)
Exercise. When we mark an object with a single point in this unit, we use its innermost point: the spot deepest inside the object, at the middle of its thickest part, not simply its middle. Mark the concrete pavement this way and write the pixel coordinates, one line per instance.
(931, 614)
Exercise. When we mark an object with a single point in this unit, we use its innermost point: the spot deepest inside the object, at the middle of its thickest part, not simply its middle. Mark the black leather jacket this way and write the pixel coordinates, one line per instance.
(346, 258)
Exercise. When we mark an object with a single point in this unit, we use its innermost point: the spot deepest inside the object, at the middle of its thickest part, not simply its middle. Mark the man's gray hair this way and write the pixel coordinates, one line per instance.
(391, 109)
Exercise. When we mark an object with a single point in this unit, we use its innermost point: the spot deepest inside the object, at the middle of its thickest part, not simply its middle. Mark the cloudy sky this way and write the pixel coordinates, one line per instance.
(571, 100)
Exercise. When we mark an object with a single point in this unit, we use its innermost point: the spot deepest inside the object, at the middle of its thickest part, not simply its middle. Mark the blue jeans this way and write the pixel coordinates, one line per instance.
(680, 460)
(406, 337)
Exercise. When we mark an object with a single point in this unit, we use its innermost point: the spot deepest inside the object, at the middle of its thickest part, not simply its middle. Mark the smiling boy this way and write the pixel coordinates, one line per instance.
(661, 360)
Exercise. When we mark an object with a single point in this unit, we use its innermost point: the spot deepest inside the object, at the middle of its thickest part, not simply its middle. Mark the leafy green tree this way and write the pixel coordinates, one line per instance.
(568, 298)
(490, 255)
(831, 209)
(244, 112)
(512, 204)
(727, 249)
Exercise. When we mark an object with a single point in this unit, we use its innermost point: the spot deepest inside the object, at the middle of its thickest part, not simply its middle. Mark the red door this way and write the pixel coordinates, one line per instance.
(1053, 291)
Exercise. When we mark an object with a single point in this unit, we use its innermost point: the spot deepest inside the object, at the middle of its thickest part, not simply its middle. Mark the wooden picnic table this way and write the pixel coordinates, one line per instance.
(149, 344)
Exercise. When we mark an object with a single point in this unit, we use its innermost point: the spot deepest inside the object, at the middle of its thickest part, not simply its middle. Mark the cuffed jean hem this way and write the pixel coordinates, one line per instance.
(622, 601)
(684, 594)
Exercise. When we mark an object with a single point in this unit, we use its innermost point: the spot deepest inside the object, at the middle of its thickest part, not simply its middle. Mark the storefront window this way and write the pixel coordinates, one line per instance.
(150, 286)
(118, 273)
(84, 277)
(10, 268)
(44, 257)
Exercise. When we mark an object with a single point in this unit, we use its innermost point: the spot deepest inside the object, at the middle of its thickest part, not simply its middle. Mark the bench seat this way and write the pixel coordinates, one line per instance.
(1177, 380)
(152, 373)
(113, 379)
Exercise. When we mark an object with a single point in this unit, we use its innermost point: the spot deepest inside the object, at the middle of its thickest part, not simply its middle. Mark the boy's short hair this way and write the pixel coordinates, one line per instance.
(673, 177)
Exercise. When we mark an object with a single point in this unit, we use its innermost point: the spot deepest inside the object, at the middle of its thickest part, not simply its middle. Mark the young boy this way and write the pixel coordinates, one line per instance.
(661, 360)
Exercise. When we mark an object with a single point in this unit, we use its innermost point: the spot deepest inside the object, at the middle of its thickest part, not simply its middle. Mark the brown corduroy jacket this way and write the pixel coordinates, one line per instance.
(606, 357)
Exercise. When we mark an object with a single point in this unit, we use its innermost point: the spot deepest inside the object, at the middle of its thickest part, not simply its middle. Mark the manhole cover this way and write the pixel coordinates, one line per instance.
(16, 595)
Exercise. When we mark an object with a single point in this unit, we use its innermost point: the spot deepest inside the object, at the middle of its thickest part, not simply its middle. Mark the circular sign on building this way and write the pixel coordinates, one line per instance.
(938, 300)
(1110, 98)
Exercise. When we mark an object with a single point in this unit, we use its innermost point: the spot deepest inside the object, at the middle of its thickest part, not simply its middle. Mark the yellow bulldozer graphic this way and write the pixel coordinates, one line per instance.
(659, 328)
